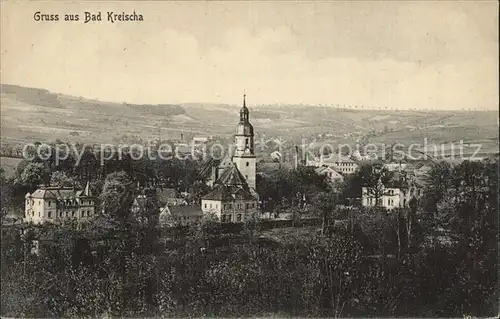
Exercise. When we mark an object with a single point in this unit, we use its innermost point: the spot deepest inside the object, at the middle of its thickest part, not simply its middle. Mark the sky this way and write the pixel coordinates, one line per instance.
(394, 54)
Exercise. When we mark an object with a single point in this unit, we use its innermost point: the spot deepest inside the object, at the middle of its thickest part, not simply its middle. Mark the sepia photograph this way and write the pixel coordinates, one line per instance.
(249, 159)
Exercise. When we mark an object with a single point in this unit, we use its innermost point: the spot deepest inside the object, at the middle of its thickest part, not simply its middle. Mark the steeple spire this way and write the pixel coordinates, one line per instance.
(244, 111)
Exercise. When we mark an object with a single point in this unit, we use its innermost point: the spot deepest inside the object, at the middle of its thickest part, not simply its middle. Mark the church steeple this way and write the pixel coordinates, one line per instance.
(244, 156)
(244, 111)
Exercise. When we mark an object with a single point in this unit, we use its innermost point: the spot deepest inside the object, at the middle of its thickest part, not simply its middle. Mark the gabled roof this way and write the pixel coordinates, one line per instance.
(145, 203)
(231, 176)
(322, 169)
(186, 210)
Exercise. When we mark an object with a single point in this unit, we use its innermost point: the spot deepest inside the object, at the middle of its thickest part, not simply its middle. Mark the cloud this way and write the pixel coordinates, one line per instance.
(170, 61)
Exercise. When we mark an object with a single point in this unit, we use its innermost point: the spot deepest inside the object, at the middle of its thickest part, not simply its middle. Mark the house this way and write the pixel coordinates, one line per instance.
(333, 177)
(145, 206)
(180, 215)
(200, 140)
(233, 197)
(397, 193)
(341, 164)
(59, 204)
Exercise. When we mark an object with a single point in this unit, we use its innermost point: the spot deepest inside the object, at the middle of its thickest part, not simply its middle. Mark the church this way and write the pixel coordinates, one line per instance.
(233, 197)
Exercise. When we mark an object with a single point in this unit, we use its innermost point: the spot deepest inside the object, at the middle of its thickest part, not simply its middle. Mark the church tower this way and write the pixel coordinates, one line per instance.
(244, 156)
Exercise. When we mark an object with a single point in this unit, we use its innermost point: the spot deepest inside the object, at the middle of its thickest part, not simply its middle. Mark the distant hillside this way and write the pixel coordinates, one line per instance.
(37, 114)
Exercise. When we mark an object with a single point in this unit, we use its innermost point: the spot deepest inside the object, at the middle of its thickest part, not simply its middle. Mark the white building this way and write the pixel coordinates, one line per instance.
(200, 140)
(397, 194)
(59, 204)
(341, 164)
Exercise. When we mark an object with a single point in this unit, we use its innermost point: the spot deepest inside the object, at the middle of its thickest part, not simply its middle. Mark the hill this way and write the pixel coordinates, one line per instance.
(30, 114)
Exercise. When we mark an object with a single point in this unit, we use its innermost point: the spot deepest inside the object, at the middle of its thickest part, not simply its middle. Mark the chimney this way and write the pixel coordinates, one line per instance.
(296, 156)
(213, 176)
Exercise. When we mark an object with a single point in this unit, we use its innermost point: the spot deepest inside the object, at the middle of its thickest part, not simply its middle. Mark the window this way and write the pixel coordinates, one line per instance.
(49, 203)
(247, 206)
(49, 214)
(60, 214)
(248, 164)
(205, 205)
(210, 205)
(228, 218)
(230, 206)
(238, 217)
(72, 214)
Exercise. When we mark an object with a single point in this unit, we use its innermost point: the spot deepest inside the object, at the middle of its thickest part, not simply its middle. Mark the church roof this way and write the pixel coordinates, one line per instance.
(232, 176)
(206, 168)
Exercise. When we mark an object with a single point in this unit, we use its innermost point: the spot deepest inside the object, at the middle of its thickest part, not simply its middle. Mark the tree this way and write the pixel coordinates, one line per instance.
(325, 203)
(373, 223)
(337, 261)
(61, 179)
(117, 196)
(32, 175)
(438, 181)
(376, 182)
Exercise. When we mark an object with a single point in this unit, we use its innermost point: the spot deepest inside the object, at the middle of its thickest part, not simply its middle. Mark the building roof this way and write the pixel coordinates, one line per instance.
(324, 168)
(229, 193)
(231, 176)
(60, 193)
(206, 168)
(186, 210)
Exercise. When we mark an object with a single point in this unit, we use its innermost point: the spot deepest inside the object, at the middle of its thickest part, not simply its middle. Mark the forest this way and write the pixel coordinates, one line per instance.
(437, 258)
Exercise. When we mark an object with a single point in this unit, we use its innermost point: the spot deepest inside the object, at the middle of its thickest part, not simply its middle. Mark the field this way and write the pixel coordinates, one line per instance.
(30, 114)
